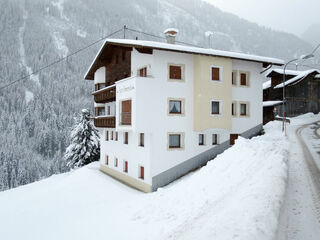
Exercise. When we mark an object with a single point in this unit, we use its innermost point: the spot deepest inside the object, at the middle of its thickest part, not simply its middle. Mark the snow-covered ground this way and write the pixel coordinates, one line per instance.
(236, 196)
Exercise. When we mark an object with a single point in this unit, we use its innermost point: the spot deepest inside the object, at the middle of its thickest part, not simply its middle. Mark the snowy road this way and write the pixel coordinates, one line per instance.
(300, 218)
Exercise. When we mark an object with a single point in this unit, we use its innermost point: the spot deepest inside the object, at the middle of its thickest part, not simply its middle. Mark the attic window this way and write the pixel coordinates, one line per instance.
(175, 72)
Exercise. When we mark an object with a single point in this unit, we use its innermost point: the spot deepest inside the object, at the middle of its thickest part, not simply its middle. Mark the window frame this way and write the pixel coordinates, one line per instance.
(220, 107)
(220, 74)
(247, 78)
(247, 109)
(182, 66)
(107, 135)
(107, 160)
(234, 109)
(116, 162)
(181, 141)
(116, 137)
(234, 78)
(125, 166)
(141, 173)
(141, 139)
(182, 107)
(203, 139)
(144, 72)
(216, 142)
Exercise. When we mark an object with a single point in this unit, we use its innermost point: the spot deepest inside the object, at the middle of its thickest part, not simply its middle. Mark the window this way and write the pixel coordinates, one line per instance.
(126, 136)
(234, 109)
(244, 111)
(175, 106)
(99, 111)
(141, 172)
(116, 162)
(116, 136)
(175, 72)
(111, 135)
(126, 112)
(215, 74)
(141, 140)
(244, 78)
(107, 160)
(234, 77)
(109, 110)
(125, 166)
(107, 136)
(215, 107)
(201, 139)
(174, 140)
(99, 86)
(214, 139)
(143, 72)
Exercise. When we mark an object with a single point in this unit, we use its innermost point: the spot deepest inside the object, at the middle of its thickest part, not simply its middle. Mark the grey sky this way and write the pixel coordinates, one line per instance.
(293, 16)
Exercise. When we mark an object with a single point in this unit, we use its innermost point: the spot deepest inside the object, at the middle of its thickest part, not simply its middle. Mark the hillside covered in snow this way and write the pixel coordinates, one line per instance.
(37, 113)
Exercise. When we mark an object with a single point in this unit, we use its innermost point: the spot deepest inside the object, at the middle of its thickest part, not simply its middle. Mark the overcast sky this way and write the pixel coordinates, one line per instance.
(293, 16)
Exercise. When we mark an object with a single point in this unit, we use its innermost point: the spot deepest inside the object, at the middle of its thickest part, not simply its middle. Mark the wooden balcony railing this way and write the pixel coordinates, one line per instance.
(107, 122)
(104, 96)
(126, 118)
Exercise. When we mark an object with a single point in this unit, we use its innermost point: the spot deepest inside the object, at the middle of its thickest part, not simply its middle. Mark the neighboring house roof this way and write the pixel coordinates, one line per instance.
(271, 103)
(183, 49)
(266, 84)
(302, 75)
(279, 71)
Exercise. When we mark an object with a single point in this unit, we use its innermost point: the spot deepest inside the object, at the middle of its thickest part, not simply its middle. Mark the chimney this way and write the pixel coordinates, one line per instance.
(171, 34)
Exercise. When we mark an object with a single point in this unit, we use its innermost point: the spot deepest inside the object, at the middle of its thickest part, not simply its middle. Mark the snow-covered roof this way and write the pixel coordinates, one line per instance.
(280, 71)
(302, 75)
(317, 76)
(271, 103)
(184, 49)
(266, 84)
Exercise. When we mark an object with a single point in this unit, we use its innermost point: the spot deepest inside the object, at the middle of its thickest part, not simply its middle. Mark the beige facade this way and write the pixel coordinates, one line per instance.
(122, 177)
(206, 90)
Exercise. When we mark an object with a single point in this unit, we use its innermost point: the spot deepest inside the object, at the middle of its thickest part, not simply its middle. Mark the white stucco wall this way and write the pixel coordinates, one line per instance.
(252, 94)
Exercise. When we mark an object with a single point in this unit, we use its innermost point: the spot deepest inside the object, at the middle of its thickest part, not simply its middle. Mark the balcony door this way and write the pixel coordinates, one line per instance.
(126, 112)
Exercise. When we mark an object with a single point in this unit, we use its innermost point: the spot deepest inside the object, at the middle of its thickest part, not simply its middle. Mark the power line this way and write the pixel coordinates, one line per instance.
(60, 60)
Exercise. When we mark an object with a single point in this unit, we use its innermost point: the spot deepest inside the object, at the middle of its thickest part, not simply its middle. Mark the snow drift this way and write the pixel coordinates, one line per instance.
(236, 196)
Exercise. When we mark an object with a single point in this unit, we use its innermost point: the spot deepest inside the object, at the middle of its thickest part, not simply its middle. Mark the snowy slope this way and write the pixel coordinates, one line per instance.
(236, 196)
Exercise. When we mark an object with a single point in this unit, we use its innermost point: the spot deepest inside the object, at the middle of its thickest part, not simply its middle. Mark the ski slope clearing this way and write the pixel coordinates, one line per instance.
(236, 196)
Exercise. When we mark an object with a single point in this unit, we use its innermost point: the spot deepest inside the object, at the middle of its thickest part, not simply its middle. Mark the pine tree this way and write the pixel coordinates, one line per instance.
(85, 145)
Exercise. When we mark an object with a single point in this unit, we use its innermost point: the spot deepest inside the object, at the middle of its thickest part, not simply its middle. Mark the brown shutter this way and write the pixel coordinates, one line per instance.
(175, 72)
(142, 172)
(243, 79)
(126, 112)
(215, 74)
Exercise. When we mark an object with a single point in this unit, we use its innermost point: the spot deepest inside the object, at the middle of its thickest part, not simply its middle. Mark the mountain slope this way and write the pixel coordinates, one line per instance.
(37, 113)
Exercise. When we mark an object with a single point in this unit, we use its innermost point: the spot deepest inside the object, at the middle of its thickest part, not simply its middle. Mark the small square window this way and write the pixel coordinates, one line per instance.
(243, 109)
(175, 141)
(214, 139)
(175, 106)
(215, 74)
(201, 139)
(126, 138)
(141, 140)
(215, 107)
(244, 79)
(143, 72)
(175, 72)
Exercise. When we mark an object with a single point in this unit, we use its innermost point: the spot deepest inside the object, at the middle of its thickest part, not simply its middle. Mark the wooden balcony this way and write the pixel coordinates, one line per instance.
(105, 95)
(106, 122)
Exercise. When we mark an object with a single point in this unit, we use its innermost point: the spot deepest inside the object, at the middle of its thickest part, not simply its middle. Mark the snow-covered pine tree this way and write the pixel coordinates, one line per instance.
(85, 145)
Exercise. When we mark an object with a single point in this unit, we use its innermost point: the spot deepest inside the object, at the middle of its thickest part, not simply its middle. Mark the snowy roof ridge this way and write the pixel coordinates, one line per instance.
(186, 49)
(271, 103)
(301, 76)
(280, 71)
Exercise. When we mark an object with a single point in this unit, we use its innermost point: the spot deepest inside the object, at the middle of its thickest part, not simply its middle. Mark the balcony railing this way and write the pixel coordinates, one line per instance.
(107, 122)
(126, 118)
(105, 95)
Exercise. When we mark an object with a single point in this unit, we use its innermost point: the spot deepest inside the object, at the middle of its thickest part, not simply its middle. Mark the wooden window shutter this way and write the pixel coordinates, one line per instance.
(215, 74)
(243, 79)
(175, 72)
(142, 172)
